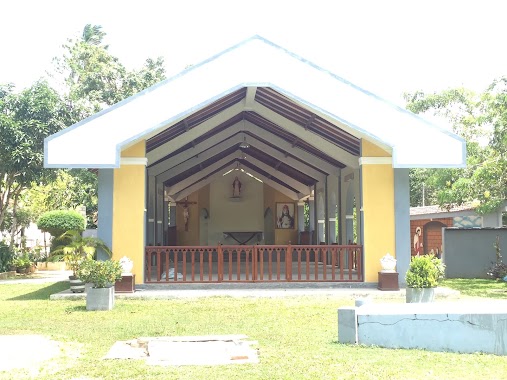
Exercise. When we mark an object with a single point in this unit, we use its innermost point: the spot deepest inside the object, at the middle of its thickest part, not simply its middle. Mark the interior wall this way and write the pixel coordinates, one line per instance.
(234, 214)
(271, 197)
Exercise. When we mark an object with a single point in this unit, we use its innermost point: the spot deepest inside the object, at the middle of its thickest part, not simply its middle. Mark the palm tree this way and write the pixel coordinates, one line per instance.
(77, 249)
(93, 34)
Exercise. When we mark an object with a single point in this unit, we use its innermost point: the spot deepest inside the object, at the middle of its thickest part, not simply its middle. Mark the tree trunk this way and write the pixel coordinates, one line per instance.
(14, 226)
(5, 195)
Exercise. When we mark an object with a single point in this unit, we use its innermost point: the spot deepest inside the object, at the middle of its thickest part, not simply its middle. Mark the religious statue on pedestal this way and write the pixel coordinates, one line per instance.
(236, 187)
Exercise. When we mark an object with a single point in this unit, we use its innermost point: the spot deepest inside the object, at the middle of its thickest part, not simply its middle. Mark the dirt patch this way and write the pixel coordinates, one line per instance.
(30, 353)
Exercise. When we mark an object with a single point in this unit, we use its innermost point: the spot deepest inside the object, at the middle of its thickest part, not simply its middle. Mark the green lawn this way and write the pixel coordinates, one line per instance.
(478, 287)
(297, 339)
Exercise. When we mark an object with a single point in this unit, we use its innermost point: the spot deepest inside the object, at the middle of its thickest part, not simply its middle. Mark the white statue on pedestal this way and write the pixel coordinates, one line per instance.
(388, 263)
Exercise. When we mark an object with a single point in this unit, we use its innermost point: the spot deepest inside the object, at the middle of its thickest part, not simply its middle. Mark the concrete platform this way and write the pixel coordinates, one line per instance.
(270, 290)
(252, 289)
(467, 327)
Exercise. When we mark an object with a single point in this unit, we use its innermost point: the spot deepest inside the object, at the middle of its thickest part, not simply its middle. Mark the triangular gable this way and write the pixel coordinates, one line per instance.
(414, 142)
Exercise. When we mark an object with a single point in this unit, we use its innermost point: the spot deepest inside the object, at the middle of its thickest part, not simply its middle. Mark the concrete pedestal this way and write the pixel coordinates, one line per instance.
(126, 285)
(388, 281)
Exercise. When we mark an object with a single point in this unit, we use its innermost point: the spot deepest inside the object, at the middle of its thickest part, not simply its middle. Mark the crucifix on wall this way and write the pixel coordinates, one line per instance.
(186, 212)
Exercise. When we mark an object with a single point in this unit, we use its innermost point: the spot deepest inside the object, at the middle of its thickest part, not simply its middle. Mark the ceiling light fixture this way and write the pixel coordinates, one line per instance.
(244, 144)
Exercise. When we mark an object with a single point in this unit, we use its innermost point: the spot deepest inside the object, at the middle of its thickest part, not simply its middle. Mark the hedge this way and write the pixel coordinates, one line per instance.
(57, 222)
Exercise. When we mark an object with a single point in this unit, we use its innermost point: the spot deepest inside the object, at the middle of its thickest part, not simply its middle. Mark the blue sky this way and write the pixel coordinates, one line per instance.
(387, 47)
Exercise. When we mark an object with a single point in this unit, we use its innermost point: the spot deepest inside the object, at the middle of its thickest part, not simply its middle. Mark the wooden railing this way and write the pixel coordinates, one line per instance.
(254, 263)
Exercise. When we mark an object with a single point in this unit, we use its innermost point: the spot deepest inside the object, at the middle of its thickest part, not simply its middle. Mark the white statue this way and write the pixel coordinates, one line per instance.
(126, 265)
(388, 263)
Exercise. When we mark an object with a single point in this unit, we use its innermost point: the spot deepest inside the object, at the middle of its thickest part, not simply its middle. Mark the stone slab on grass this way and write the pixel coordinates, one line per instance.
(130, 349)
(187, 350)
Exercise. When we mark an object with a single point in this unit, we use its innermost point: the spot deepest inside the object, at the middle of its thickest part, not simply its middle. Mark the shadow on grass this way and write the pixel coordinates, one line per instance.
(73, 309)
(42, 293)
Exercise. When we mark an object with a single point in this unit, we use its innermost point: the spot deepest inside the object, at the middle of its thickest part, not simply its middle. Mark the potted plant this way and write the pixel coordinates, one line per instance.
(76, 250)
(422, 277)
(102, 275)
(22, 263)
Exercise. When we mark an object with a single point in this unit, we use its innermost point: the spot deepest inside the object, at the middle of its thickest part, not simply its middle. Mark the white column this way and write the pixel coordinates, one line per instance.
(321, 214)
(332, 207)
(159, 213)
(150, 222)
(301, 219)
(311, 204)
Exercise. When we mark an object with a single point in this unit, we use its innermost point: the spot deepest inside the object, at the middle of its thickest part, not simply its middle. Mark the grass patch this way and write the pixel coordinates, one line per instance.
(41, 293)
(297, 339)
(478, 287)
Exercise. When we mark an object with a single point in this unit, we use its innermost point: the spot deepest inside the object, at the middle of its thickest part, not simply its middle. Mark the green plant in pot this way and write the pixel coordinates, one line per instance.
(76, 250)
(422, 277)
(102, 275)
(22, 263)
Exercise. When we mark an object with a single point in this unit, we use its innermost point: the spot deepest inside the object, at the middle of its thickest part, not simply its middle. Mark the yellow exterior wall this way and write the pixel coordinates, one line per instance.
(128, 210)
(271, 197)
(378, 210)
(369, 149)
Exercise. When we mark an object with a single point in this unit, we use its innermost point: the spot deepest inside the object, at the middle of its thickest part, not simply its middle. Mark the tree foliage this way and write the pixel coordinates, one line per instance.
(26, 119)
(95, 79)
(57, 222)
(92, 79)
(481, 120)
(93, 34)
(70, 189)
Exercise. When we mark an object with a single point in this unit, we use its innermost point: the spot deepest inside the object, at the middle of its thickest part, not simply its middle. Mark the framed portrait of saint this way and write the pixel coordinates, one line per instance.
(285, 215)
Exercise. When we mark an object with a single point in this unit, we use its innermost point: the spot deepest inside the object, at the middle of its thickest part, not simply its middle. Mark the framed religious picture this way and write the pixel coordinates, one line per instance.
(285, 215)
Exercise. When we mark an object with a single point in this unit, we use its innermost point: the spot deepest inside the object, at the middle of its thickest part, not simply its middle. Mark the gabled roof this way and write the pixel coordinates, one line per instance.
(436, 209)
(257, 77)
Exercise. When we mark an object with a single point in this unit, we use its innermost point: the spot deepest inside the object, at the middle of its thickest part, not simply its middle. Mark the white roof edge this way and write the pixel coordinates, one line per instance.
(401, 158)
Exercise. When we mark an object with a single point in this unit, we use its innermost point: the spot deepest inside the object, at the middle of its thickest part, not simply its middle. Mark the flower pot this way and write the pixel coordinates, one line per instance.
(419, 295)
(100, 299)
(88, 286)
(76, 285)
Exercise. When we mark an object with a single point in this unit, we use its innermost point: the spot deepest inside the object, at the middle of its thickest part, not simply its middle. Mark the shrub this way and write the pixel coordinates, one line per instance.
(22, 262)
(56, 222)
(497, 270)
(6, 257)
(101, 274)
(424, 272)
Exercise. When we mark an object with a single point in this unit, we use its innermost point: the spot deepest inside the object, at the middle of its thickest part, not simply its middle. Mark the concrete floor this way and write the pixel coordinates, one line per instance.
(246, 289)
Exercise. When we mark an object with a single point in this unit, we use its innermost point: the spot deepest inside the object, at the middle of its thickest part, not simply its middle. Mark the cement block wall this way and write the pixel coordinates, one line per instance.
(453, 327)
(468, 253)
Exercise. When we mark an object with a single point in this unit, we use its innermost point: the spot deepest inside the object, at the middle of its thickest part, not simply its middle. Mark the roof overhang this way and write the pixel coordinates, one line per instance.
(268, 83)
